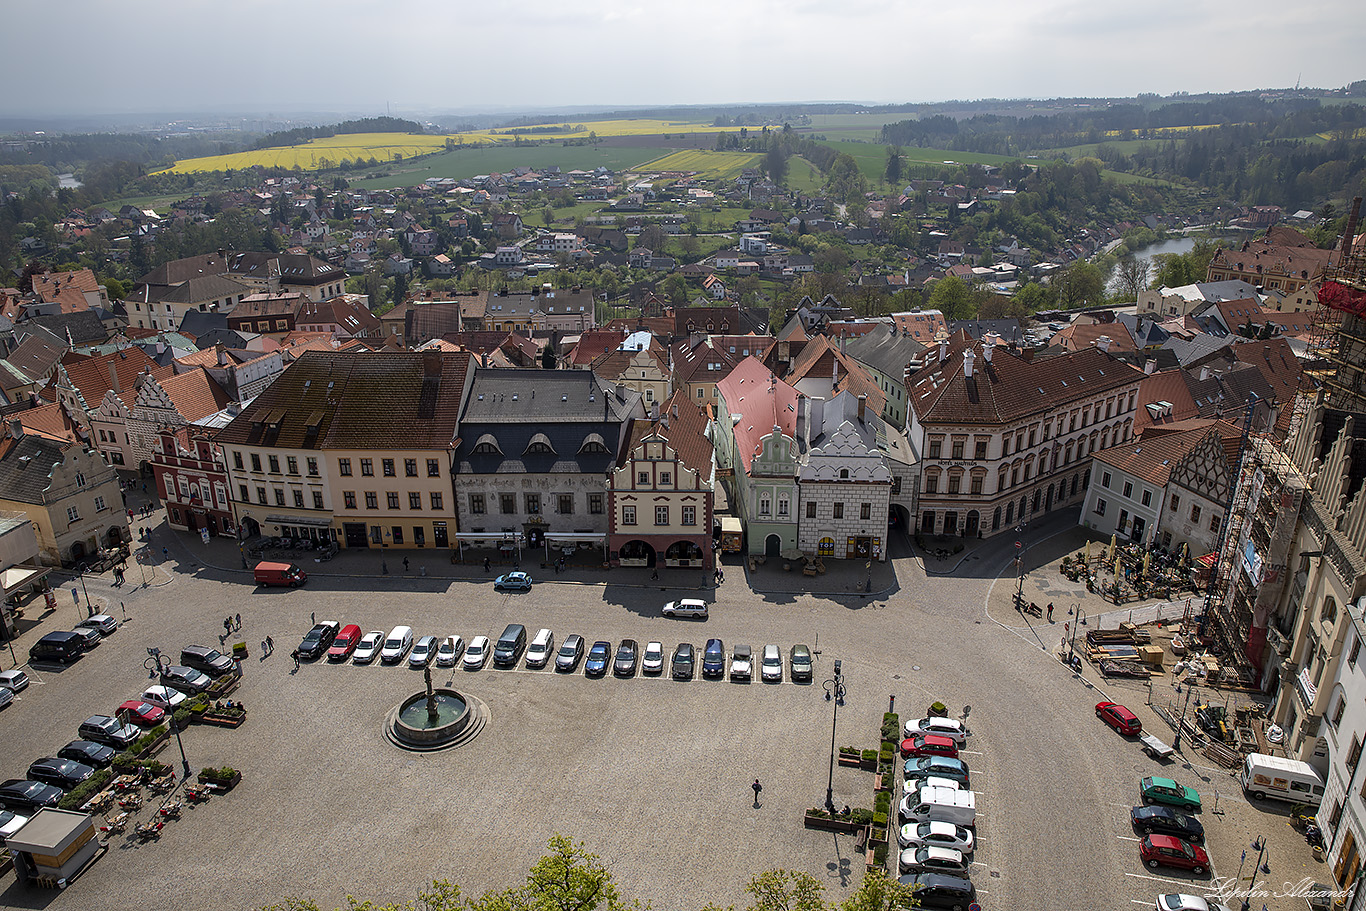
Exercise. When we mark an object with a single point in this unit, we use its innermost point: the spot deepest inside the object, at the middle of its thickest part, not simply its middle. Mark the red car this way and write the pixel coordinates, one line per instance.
(1118, 717)
(1170, 851)
(141, 713)
(345, 643)
(929, 745)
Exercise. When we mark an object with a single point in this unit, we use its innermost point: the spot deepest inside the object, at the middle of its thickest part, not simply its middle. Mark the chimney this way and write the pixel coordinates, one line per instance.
(943, 350)
(222, 355)
(989, 347)
(1149, 366)
(1204, 373)
(862, 405)
(968, 358)
(1103, 343)
(16, 428)
(114, 376)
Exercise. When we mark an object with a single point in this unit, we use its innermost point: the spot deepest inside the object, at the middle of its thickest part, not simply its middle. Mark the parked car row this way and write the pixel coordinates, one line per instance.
(341, 643)
(66, 646)
(938, 814)
(100, 737)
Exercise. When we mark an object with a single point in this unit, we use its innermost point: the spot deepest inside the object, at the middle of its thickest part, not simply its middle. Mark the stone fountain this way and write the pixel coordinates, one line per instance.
(436, 719)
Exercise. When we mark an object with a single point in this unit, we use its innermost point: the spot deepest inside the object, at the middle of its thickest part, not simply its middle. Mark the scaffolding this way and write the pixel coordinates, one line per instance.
(1337, 343)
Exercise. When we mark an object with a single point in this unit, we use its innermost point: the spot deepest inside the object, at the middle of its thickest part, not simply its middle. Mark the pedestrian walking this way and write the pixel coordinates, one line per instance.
(654, 574)
(758, 789)
(264, 650)
(1050, 611)
(270, 644)
(313, 617)
(238, 620)
(227, 625)
(295, 655)
(165, 553)
(486, 564)
(405, 564)
(384, 567)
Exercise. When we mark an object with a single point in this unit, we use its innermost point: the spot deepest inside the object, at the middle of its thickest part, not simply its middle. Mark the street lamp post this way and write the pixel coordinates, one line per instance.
(156, 663)
(1181, 724)
(1019, 566)
(90, 611)
(1260, 847)
(834, 690)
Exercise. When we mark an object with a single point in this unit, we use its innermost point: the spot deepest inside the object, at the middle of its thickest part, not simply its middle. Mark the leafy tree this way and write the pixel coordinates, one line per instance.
(953, 297)
(786, 890)
(1133, 277)
(1080, 285)
(893, 172)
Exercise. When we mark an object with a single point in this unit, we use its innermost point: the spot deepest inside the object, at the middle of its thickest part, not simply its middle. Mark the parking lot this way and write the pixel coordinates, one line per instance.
(639, 769)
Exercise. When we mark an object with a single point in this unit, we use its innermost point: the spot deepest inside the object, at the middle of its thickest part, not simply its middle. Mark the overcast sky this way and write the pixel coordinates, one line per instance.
(421, 56)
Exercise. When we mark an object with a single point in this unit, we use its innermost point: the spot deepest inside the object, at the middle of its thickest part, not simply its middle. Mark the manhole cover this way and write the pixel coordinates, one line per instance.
(915, 667)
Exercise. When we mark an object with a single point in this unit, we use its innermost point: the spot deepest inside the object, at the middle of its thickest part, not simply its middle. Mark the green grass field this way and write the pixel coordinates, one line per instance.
(803, 176)
(708, 165)
(160, 204)
(463, 163)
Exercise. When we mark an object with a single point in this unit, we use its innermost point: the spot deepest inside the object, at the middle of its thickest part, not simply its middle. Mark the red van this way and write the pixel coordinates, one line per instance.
(280, 574)
(345, 643)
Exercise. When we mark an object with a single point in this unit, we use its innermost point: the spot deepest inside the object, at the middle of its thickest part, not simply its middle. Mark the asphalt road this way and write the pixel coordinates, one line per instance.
(651, 774)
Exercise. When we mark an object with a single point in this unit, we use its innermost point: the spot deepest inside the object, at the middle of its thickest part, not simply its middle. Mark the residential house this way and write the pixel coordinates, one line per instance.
(1284, 260)
(1166, 302)
(757, 454)
(535, 450)
(73, 498)
(698, 364)
(1012, 438)
(343, 317)
(270, 315)
(887, 356)
(355, 448)
(643, 369)
(660, 492)
(925, 326)
(192, 480)
(1168, 487)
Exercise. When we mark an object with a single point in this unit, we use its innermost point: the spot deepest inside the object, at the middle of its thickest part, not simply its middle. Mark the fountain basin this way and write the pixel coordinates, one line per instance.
(459, 717)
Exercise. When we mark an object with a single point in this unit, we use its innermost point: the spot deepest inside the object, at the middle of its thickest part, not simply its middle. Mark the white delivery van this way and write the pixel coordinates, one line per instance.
(928, 804)
(1279, 778)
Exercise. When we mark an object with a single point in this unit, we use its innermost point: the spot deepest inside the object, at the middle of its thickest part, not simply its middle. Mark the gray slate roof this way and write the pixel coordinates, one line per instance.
(85, 326)
(25, 482)
(883, 350)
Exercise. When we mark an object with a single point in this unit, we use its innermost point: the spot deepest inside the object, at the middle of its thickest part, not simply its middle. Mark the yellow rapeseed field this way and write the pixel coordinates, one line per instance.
(320, 154)
(708, 164)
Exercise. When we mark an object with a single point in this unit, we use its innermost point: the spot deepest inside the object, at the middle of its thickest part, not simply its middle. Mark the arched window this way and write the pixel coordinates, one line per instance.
(1329, 613)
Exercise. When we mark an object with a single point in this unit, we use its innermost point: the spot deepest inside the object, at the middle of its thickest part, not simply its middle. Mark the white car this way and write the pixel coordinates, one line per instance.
(368, 647)
(449, 651)
(101, 623)
(164, 697)
(944, 727)
(943, 834)
(927, 859)
(10, 822)
(477, 655)
(6, 696)
(652, 661)
(13, 680)
(1183, 902)
(741, 663)
(687, 607)
(771, 664)
(424, 650)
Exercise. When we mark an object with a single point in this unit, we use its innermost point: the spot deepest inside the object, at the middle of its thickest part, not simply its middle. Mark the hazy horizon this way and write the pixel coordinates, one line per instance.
(424, 59)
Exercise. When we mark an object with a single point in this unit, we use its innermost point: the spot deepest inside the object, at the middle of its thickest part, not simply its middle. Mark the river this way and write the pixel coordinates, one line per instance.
(1146, 254)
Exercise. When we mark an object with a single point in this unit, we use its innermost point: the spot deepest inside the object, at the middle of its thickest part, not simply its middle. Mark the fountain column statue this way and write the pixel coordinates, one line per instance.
(431, 695)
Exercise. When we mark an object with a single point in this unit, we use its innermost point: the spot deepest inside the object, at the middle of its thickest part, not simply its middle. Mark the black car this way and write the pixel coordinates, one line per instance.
(627, 655)
(88, 752)
(684, 660)
(208, 660)
(22, 796)
(598, 656)
(186, 679)
(63, 773)
(1168, 821)
(714, 658)
(940, 890)
(571, 652)
(319, 639)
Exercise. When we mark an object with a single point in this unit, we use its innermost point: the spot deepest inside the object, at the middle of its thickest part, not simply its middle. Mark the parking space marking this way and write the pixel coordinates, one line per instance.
(1127, 838)
(1163, 879)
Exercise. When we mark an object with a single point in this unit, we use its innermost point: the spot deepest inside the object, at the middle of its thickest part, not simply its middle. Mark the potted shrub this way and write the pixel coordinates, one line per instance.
(229, 715)
(239, 651)
(868, 760)
(849, 756)
(82, 793)
(150, 742)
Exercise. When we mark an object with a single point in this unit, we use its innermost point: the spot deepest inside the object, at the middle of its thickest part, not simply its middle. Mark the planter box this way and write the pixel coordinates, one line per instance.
(155, 745)
(223, 686)
(222, 721)
(851, 760)
(884, 782)
(847, 826)
(868, 765)
(221, 784)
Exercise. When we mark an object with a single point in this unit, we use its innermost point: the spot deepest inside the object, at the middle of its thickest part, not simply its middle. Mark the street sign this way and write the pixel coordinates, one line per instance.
(204, 535)
(1018, 545)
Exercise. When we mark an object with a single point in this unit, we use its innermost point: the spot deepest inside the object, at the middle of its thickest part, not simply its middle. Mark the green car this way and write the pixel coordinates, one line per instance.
(1164, 790)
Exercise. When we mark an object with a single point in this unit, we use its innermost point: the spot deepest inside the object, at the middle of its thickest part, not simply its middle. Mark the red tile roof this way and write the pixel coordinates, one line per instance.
(762, 401)
(1153, 456)
(196, 394)
(91, 375)
(684, 424)
(1009, 387)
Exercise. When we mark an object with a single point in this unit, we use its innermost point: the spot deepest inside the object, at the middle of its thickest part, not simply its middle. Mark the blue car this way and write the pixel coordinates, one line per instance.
(918, 767)
(598, 657)
(512, 582)
(714, 659)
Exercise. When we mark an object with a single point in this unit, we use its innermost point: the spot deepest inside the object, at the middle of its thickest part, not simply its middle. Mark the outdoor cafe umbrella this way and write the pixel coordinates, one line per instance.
(1147, 555)
(1112, 547)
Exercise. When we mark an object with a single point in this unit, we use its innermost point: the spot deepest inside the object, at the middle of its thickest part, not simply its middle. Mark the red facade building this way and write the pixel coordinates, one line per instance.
(192, 480)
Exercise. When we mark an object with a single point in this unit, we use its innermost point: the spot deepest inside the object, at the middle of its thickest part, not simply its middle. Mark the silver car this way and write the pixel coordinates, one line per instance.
(368, 647)
(449, 652)
(423, 652)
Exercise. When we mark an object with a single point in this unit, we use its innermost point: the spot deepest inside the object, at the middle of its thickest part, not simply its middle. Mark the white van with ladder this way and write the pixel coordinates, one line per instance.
(1279, 778)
